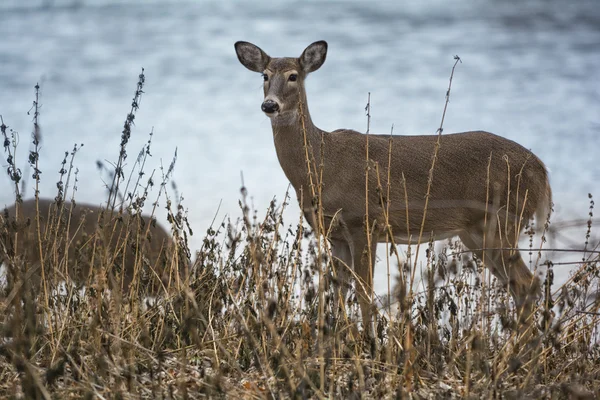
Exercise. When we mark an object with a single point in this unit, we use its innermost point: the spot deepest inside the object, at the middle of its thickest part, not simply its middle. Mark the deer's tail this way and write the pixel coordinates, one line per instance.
(544, 208)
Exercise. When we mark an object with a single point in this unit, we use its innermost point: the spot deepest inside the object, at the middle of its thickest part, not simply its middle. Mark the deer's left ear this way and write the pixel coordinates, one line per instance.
(313, 56)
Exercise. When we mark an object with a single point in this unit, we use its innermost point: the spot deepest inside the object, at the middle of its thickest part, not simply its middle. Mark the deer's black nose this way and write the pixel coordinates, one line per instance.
(269, 106)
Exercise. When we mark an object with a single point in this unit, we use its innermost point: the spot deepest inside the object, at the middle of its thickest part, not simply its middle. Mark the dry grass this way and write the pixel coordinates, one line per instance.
(258, 317)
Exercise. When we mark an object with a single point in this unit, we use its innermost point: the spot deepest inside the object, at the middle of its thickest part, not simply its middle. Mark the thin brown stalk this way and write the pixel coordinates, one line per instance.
(433, 160)
(367, 217)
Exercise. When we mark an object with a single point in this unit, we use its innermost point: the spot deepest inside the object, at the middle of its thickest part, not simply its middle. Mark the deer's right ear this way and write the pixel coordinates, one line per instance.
(251, 56)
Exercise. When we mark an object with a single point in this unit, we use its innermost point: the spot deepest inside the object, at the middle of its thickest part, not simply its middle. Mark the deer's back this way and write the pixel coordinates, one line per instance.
(80, 238)
(466, 166)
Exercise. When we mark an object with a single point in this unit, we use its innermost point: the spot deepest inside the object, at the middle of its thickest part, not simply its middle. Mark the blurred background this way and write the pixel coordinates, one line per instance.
(530, 72)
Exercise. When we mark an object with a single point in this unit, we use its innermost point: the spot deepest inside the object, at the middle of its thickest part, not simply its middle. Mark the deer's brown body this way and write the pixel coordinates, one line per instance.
(77, 241)
(475, 173)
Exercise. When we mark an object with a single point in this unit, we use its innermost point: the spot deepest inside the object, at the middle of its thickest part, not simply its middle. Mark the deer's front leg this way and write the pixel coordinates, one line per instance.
(343, 264)
(364, 264)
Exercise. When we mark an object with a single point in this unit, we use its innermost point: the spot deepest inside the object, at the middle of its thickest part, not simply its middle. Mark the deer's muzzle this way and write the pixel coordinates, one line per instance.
(269, 106)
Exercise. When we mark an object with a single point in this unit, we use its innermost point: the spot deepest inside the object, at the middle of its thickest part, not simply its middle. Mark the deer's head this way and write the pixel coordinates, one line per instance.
(283, 77)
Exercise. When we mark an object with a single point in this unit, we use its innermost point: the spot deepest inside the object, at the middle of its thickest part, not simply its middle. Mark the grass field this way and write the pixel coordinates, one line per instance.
(255, 315)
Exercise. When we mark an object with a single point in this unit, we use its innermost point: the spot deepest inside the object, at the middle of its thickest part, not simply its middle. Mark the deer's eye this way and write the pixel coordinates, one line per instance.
(265, 77)
(293, 77)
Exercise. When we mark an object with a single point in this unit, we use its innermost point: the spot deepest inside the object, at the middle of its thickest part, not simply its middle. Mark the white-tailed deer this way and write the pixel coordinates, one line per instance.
(77, 242)
(478, 177)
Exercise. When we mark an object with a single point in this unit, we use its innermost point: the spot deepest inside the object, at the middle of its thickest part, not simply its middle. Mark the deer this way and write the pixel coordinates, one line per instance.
(76, 238)
(484, 188)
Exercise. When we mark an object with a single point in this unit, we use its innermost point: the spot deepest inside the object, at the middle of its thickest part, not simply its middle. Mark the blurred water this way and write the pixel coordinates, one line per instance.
(530, 73)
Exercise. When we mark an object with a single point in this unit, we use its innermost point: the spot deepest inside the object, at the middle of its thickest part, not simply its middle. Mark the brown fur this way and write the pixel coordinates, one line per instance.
(134, 244)
(459, 199)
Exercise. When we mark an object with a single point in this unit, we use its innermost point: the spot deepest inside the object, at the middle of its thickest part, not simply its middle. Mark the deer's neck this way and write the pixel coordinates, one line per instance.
(293, 139)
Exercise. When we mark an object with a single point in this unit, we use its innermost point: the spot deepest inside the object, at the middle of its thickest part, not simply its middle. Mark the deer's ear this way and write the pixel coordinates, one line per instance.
(313, 56)
(251, 56)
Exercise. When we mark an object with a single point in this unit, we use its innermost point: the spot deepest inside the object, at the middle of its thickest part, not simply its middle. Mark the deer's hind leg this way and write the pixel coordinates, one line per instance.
(506, 264)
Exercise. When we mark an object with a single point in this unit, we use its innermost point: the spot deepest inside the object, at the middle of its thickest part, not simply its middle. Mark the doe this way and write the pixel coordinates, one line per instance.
(484, 190)
(76, 242)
